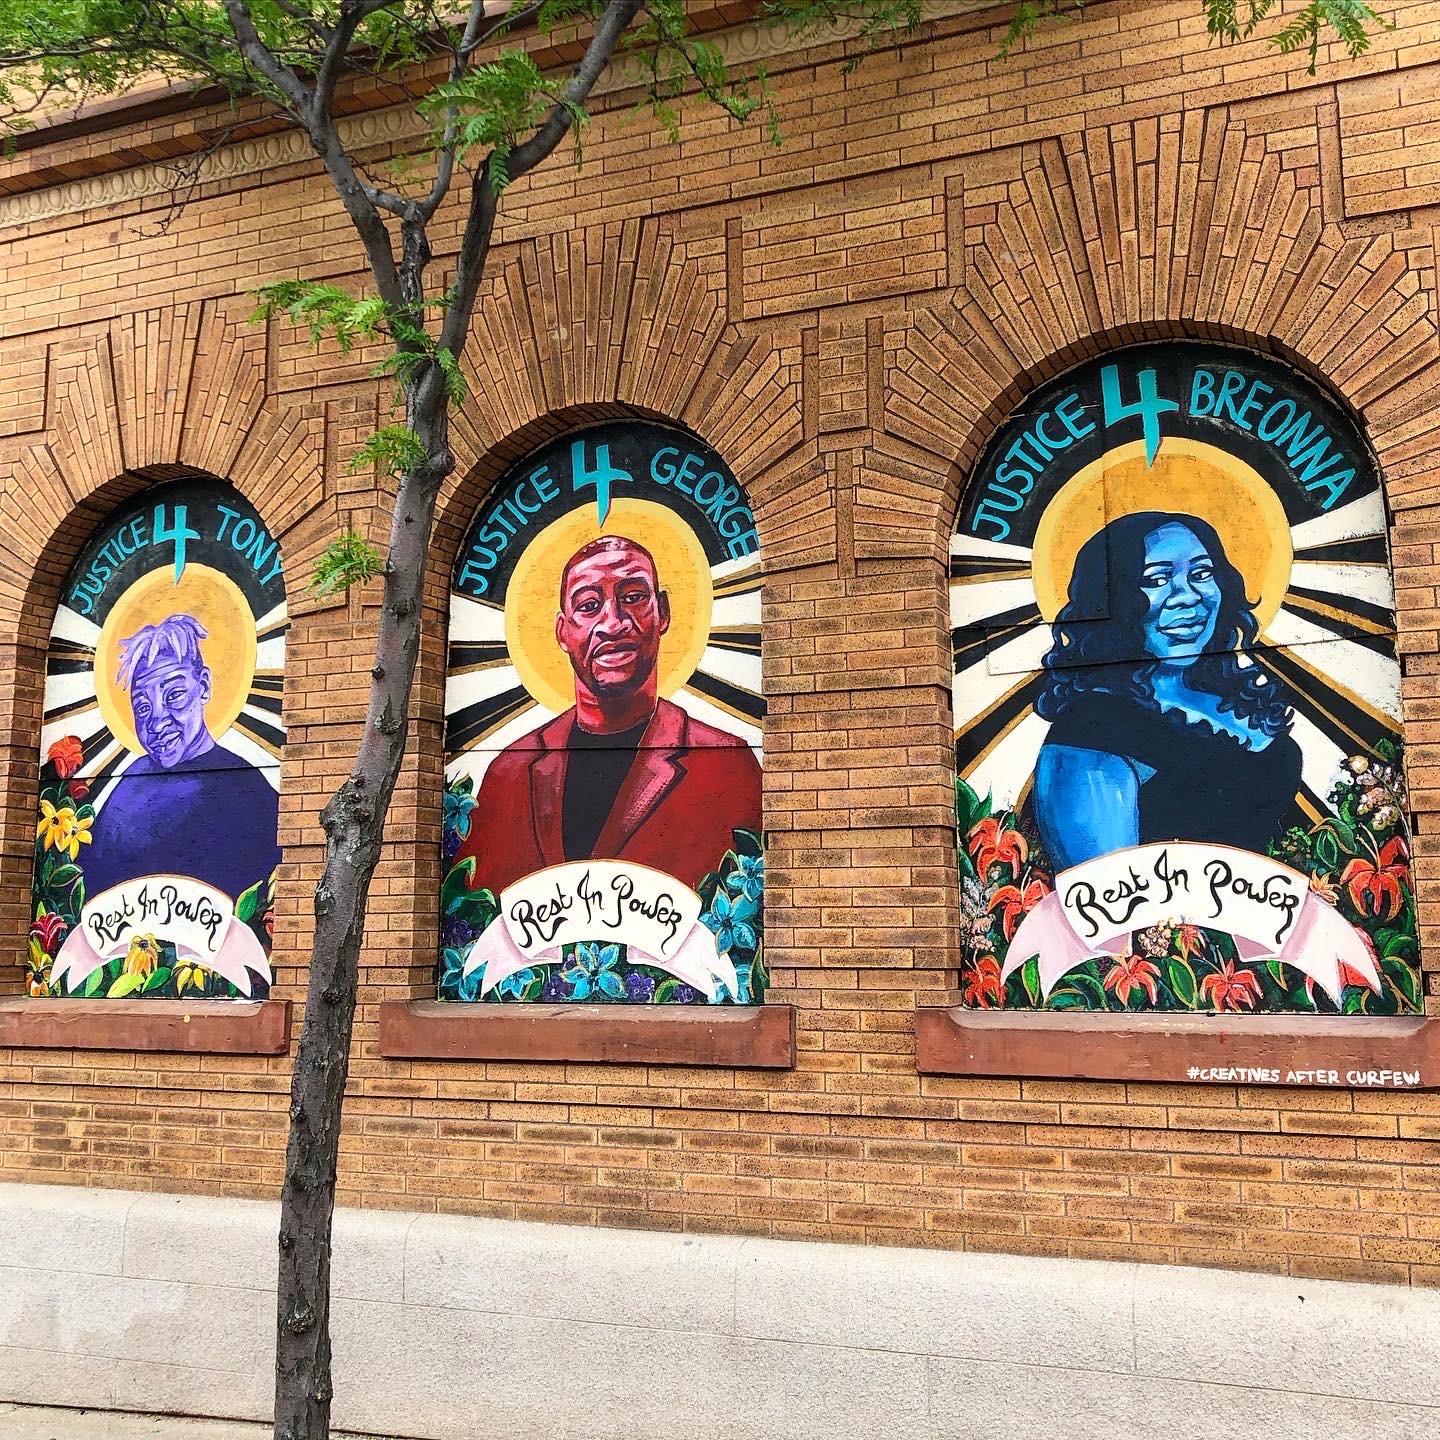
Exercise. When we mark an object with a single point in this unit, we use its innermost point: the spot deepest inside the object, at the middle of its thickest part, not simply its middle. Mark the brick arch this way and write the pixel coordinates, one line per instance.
(1207, 228)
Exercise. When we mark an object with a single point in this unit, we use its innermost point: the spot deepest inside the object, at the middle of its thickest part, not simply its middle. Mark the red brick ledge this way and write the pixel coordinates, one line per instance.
(207, 1027)
(1384, 1052)
(747, 1037)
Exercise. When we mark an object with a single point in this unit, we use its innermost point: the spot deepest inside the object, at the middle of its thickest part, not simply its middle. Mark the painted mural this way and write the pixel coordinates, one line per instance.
(602, 826)
(156, 849)
(1177, 700)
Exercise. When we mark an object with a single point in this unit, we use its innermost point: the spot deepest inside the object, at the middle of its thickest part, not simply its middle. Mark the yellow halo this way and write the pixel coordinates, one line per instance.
(218, 603)
(533, 595)
(1187, 478)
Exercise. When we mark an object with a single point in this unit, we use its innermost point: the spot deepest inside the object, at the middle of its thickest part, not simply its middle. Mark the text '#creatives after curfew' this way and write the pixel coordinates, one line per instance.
(1177, 700)
(155, 850)
(602, 828)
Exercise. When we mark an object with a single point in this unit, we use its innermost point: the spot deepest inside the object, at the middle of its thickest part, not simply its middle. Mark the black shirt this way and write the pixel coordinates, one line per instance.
(595, 771)
(1208, 784)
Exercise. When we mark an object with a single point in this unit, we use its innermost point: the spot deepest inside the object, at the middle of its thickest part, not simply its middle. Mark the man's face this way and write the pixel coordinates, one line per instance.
(168, 699)
(612, 615)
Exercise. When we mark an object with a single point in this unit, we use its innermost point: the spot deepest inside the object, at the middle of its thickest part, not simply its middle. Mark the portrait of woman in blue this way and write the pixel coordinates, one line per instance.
(1163, 723)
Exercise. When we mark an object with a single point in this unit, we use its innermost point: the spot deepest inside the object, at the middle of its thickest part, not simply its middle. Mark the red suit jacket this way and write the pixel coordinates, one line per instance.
(690, 786)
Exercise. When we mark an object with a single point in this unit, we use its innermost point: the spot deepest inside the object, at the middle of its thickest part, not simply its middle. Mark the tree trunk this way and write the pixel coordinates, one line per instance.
(354, 823)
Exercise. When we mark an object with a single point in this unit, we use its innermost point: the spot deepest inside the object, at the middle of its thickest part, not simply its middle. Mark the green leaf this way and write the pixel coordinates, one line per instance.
(393, 450)
(123, 985)
(249, 899)
(1030, 979)
(350, 560)
(157, 979)
(94, 983)
(1182, 981)
(1406, 981)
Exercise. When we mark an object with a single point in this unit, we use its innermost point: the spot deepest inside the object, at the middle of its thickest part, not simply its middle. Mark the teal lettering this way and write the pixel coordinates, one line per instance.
(179, 532)
(1230, 387)
(663, 474)
(1268, 431)
(1252, 402)
(600, 478)
(228, 515)
(1202, 387)
(687, 472)
(1149, 407)
(472, 574)
(1072, 422)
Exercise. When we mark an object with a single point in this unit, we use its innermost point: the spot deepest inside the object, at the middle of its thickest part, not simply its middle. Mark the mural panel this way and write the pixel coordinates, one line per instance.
(603, 712)
(1177, 700)
(156, 849)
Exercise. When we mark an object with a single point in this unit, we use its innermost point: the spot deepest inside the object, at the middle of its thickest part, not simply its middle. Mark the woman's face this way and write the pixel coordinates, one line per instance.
(1181, 593)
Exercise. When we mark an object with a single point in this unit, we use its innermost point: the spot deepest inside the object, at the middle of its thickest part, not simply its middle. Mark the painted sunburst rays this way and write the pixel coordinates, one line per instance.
(487, 706)
(1331, 642)
(72, 704)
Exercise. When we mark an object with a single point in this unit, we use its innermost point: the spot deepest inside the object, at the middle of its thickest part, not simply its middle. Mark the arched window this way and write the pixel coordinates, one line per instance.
(603, 725)
(1177, 699)
(156, 847)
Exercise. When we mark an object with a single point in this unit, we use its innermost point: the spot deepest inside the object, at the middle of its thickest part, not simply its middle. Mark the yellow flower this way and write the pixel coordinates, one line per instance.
(63, 830)
(37, 971)
(142, 955)
(187, 972)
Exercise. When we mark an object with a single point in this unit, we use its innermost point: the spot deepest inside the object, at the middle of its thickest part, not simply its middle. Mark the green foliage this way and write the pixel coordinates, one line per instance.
(394, 449)
(350, 560)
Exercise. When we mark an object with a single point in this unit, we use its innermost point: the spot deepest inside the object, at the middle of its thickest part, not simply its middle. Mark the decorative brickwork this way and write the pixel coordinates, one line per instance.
(847, 319)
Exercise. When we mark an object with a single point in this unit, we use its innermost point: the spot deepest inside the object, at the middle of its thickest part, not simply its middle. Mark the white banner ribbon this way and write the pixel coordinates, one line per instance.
(1267, 907)
(197, 919)
(605, 902)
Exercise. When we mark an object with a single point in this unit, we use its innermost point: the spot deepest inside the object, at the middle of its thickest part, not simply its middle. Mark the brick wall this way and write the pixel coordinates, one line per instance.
(846, 320)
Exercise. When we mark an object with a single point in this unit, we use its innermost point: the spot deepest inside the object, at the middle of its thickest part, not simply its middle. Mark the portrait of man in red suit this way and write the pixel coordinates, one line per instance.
(622, 774)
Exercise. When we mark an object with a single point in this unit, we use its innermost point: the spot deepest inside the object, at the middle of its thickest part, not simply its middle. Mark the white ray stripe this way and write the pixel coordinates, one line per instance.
(69, 689)
(267, 718)
(699, 708)
(978, 686)
(1347, 665)
(733, 667)
(729, 569)
(82, 725)
(472, 623)
(270, 654)
(272, 617)
(99, 796)
(1024, 654)
(1370, 583)
(74, 627)
(1357, 520)
(241, 744)
(1004, 771)
(971, 546)
(1320, 756)
(475, 762)
(973, 604)
(737, 611)
(477, 685)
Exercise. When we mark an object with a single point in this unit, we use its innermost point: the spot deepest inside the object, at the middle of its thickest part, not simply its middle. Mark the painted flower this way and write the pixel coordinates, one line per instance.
(1231, 989)
(684, 994)
(1323, 885)
(142, 957)
(748, 881)
(458, 806)
(1377, 890)
(192, 974)
(1133, 972)
(453, 985)
(456, 932)
(989, 844)
(514, 985)
(1014, 904)
(450, 843)
(66, 755)
(79, 791)
(47, 930)
(555, 988)
(639, 989)
(1189, 940)
(269, 922)
(591, 973)
(62, 830)
(37, 972)
(729, 919)
(981, 984)
(1155, 942)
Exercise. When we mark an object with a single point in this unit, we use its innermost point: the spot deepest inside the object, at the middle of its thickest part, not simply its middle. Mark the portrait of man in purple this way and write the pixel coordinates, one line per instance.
(187, 805)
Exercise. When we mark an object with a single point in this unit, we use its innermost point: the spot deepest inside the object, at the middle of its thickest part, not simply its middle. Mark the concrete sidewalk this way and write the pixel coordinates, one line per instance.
(37, 1422)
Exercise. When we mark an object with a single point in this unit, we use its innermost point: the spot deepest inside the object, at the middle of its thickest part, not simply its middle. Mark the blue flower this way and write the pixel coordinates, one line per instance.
(555, 989)
(514, 985)
(640, 989)
(685, 995)
(748, 881)
(592, 973)
(458, 806)
(452, 984)
(729, 919)
(450, 842)
(456, 933)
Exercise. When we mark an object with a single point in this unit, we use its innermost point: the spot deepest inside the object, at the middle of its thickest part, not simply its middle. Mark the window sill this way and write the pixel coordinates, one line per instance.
(207, 1027)
(1386, 1052)
(743, 1036)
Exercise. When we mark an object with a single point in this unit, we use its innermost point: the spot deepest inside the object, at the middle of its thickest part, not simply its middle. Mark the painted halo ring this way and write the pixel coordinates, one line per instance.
(219, 604)
(533, 594)
(1187, 477)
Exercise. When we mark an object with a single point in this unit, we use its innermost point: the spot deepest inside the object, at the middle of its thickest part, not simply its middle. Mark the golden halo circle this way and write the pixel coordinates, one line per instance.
(533, 595)
(218, 603)
(1187, 478)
